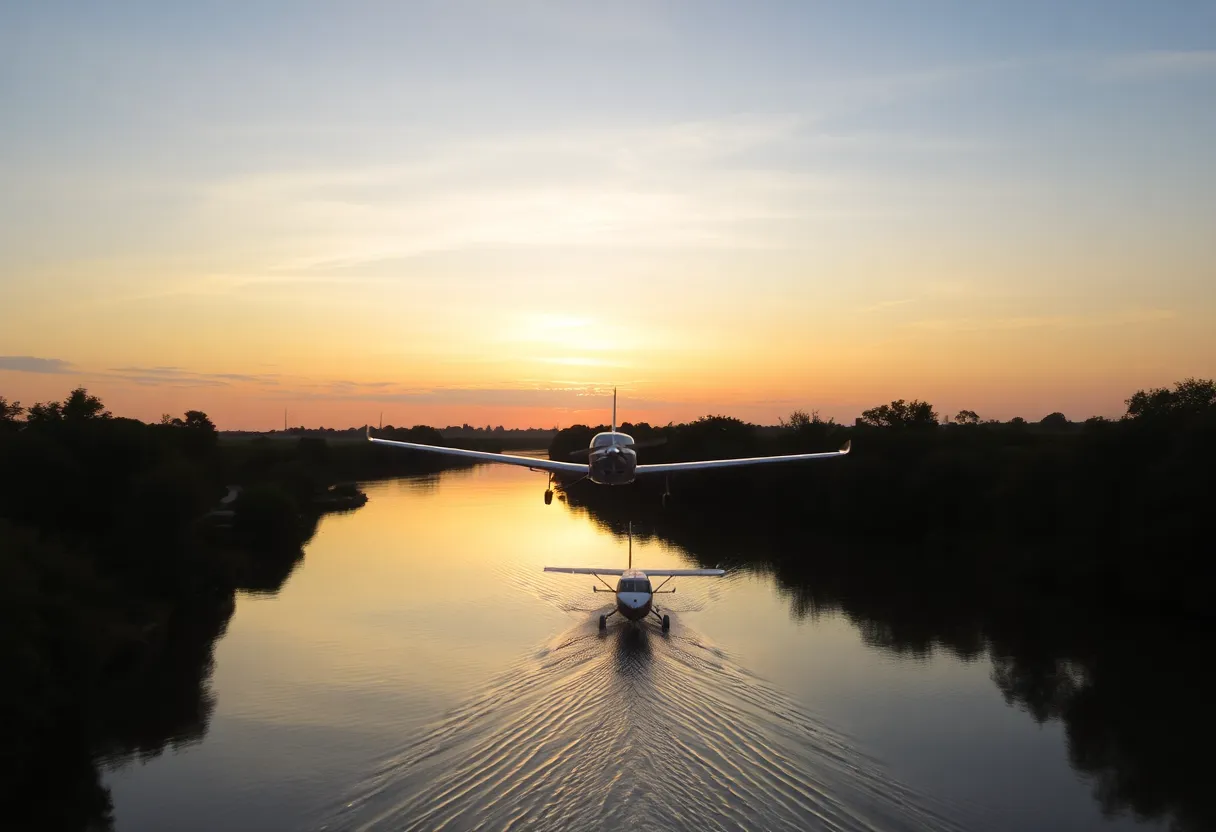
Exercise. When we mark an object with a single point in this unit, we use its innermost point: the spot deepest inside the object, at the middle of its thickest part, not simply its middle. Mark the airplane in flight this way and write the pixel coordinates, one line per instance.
(612, 459)
(634, 592)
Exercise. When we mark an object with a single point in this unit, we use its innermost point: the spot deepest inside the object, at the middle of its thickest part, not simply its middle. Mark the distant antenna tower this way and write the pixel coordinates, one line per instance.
(381, 420)
(284, 420)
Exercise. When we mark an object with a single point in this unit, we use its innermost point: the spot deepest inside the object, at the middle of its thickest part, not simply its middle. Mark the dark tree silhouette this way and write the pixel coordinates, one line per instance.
(1190, 397)
(10, 412)
(195, 420)
(967, 417)
(900, 414)
(1055, 421)
(797, 419)
(44, 413)
(801, 419)
(79, 406)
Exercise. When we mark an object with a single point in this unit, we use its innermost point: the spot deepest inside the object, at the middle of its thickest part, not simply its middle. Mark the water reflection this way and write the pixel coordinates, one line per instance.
(1128, 685)
(157, 699)
(161, 703)
(659, 731)
(397, 684)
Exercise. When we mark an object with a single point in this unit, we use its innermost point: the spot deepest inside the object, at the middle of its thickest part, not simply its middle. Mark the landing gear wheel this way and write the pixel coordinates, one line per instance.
(603, 621)
(549, 497)
(666, 623)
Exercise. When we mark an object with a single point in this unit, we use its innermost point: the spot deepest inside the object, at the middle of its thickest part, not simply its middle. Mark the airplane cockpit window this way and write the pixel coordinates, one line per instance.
(604, 440)
(633, 585)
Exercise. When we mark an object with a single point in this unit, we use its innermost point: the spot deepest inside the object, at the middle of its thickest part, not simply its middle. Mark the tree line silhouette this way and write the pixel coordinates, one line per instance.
(1114, 509)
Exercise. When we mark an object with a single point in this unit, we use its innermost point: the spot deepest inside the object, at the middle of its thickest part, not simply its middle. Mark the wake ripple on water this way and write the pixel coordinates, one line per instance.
(631, 729)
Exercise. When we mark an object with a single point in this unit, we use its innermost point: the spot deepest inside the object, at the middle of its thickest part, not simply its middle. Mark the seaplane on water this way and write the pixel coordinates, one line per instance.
(612, 459)
(634, 593)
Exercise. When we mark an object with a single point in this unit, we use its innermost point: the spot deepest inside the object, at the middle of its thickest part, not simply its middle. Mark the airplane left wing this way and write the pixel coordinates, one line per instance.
(550, 465)
(584, 570)
(673, 467)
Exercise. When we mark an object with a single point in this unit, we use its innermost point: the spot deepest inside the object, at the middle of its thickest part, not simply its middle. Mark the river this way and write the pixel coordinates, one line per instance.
(419, 670)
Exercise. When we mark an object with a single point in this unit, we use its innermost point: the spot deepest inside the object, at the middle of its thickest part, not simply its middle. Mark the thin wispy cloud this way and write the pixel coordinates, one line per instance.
(1157, 65)
(887, 304)
(575, 361)
(662, 185)
(1073, 321)
(177, 376)
(567, 398)
(32, 364)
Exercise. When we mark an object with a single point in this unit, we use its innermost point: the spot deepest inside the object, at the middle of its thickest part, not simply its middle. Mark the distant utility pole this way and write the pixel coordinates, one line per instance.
(284, 420)
(381, 420)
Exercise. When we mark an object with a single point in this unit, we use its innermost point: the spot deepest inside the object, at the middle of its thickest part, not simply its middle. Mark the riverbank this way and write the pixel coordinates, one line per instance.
(1116, 511)
(110, 557)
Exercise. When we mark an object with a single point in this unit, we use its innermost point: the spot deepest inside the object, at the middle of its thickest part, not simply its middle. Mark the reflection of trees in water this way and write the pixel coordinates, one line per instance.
(1133, 702)
(158, 700)
(1128, 687)
(428, 482)
(166, 703)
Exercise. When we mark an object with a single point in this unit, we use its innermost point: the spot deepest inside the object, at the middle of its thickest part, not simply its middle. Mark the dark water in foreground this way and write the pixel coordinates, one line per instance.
(418, 670)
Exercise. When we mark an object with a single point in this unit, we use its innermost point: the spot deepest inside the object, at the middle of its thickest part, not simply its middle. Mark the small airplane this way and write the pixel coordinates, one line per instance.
(634, 593)
(612, 459)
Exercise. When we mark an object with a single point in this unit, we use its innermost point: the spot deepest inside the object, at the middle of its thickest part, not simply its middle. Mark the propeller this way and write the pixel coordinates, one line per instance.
(583, 453)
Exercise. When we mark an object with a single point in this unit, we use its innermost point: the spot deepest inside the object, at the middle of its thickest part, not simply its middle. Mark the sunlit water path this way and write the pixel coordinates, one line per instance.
(419, 671)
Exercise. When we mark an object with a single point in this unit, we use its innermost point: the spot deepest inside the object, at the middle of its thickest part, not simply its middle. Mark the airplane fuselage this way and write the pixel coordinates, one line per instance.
(634, 595)
(612, 459)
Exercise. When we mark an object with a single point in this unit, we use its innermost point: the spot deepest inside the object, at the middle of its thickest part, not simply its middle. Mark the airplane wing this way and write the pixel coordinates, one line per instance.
(584, 570)
(673, 467)
(485, 456)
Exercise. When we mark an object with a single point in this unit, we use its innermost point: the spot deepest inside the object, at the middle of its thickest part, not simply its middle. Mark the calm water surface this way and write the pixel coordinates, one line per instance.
(418, 670)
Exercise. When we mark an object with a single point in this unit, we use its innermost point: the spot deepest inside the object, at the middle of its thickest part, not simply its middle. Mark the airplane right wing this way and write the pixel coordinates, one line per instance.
(550, 465)
(584, 570)
(673, 467)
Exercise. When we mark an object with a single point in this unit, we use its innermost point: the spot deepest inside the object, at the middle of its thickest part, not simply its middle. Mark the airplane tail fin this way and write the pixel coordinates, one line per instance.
(630, 541)
(614, 410)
